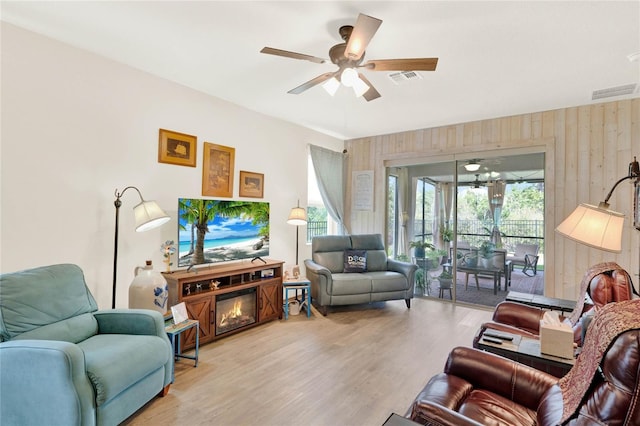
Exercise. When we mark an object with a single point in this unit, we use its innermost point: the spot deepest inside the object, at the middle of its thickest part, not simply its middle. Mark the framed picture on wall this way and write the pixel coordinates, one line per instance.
(177, 148)
(636, 204)
(251, 184)
(217, 170)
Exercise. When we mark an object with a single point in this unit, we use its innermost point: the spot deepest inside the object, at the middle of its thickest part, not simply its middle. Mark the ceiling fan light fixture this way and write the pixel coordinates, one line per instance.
(472, 166)
(331, 86)
(349, 77)
(360, 87)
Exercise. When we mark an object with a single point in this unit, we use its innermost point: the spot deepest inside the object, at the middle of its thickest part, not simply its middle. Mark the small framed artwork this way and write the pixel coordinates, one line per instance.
(251, 184)
(636, 204)
(179, 313)
(177, 148)
(217, 170)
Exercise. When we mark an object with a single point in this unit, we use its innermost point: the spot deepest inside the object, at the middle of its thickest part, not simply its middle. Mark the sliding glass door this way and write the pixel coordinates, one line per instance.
(492, 207)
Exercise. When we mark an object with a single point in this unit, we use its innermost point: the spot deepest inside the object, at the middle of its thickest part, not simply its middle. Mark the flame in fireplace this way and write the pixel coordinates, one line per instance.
(235, 312)
(237, 309)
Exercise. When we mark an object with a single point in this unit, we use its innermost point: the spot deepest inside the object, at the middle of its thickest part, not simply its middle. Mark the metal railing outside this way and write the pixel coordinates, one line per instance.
(512, 231)
(316, 228)
(473, 231)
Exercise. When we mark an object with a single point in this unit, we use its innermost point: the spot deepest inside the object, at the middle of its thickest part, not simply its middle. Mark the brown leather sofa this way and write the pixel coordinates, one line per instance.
(480, 388)
(612, 285)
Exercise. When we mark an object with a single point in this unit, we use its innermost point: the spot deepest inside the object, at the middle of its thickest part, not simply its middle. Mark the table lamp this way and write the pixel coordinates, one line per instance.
(148, 215)
(297, 217)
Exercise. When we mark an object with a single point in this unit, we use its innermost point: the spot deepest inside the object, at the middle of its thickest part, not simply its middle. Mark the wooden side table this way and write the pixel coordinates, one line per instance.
(174, 331)
(300, 283)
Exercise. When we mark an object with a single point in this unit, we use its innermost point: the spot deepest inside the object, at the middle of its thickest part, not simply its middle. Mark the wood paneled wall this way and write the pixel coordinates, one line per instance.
(587, 149)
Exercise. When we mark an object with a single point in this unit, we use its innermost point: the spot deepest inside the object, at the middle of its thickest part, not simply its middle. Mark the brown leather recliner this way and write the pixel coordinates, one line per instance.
(605, 283)
(480, 388)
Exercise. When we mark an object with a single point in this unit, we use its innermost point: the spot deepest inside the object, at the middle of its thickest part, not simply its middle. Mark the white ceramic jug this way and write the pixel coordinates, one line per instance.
(149, 289)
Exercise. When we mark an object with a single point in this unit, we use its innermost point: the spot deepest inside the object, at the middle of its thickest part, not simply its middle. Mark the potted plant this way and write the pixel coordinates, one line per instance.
(434, 257)
(419, 247)
(446, 233)
(445, 279)
(486, 252)
(421, 282)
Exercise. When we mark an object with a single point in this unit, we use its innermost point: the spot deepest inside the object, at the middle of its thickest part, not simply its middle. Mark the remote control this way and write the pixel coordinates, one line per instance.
(498, 336)
(492, 340)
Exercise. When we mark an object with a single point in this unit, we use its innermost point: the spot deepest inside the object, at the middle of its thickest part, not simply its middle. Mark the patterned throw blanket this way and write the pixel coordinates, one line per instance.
(609, 322)
(588, 276)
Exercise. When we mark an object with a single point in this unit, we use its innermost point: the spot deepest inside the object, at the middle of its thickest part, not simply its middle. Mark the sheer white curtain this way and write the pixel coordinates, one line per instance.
(412, 210)
(438, 212)
(329, 168)
(442, 208)
(496, 201)
(404, 200)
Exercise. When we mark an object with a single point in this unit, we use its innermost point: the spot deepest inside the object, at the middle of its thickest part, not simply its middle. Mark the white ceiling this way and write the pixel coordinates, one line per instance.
(495, 58)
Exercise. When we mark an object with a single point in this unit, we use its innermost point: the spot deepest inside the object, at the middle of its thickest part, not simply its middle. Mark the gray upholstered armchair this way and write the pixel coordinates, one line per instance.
(62, 359)
(381, 279)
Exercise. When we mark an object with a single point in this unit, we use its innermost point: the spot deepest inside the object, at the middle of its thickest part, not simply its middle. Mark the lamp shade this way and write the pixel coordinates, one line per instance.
(297, 216)
(595, 227)
(149, 215)
(331, 86)
(360, 87)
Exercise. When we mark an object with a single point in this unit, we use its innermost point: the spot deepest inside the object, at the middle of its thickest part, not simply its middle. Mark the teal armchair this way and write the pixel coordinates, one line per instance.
(63, 361)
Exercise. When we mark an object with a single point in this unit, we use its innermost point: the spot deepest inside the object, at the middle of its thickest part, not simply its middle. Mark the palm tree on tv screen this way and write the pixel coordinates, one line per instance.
(202, 212)
(189, 214)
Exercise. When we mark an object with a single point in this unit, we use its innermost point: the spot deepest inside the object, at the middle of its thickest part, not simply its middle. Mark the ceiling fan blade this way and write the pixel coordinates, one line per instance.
(364, 30)
(314, 82)
(370, 94)
(293, 55)
(411, 64)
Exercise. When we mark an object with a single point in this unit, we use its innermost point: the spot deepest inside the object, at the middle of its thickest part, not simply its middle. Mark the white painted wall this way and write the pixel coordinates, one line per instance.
(76, 126)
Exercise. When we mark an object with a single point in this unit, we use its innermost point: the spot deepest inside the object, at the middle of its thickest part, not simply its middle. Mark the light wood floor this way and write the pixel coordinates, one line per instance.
(354, 367)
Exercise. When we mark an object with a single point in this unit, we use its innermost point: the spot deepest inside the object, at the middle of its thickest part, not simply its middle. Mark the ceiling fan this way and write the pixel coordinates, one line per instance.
(348, 56)
(477, 183)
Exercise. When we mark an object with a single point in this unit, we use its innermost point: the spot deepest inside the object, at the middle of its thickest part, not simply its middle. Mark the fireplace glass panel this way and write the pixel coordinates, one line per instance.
(235, 310)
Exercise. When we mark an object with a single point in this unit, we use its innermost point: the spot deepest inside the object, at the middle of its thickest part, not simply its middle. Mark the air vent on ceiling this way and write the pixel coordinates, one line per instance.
(626, 89)
(404, 76)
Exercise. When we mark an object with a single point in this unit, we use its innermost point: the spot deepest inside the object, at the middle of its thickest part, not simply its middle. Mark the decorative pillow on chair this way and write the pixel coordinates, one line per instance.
(355, 260)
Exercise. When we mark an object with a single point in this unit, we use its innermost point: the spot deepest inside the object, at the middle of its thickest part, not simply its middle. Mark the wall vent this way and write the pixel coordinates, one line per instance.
(404, 76)
(626, 89)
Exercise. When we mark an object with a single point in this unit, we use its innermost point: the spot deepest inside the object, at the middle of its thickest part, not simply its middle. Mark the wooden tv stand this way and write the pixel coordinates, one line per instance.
(198, 290)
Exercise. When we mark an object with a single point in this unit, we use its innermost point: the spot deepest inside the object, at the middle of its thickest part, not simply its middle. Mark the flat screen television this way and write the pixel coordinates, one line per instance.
(211, 231)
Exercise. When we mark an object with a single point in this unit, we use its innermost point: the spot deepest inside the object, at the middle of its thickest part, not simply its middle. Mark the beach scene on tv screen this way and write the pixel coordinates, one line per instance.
(211, 231)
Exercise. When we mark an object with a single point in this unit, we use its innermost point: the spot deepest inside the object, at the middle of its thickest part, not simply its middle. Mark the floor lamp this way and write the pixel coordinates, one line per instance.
(148, 215)
(297, 217)
(599, 227)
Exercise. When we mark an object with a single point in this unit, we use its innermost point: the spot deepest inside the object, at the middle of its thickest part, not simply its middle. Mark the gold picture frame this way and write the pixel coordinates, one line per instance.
(177, 148)
(217, 170)
(251, 184)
